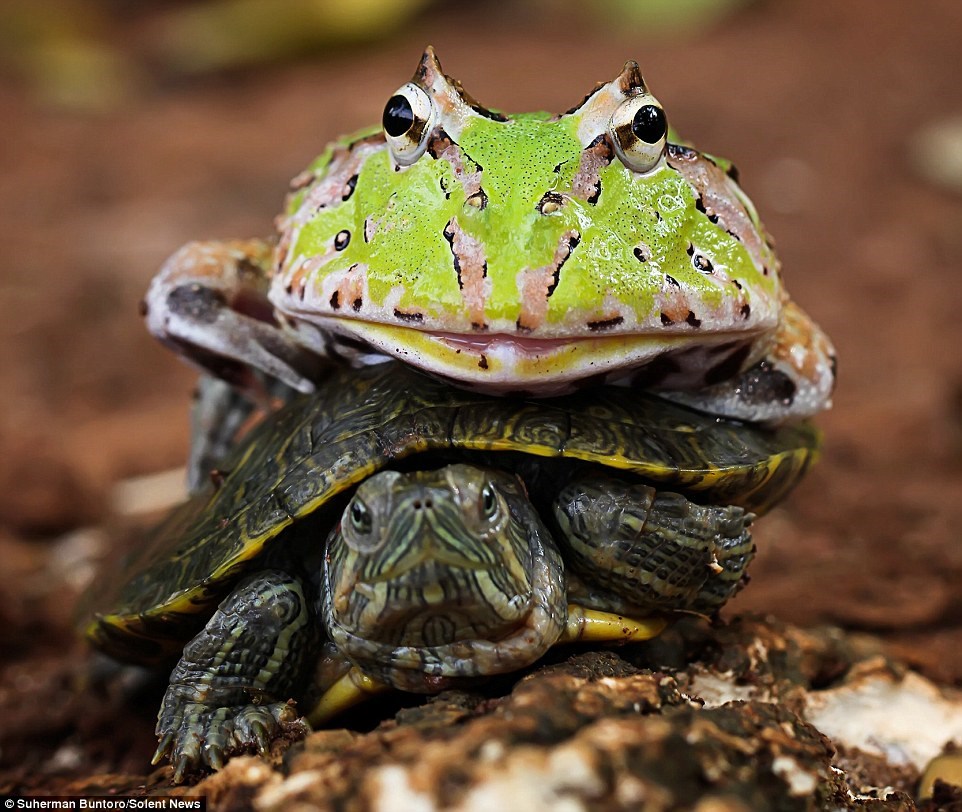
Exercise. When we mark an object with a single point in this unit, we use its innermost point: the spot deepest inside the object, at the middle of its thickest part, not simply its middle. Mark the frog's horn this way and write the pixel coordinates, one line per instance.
(428, 68)
(453, 103)
(432, 78)
(595, 111)
(630, 80)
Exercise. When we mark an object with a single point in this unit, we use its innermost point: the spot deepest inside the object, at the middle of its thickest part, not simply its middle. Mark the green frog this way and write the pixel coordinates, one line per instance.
(524, 254)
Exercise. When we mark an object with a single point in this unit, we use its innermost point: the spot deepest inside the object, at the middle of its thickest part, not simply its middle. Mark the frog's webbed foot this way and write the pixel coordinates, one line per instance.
(195, 736)
(793, 380)
(653, 550)
(209, 303)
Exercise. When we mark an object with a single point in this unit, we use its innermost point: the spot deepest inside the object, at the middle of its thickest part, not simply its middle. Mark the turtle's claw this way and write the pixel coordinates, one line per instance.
(182, 764)
(197, 736)
(215, 757)
(165, 741)
(261, 736)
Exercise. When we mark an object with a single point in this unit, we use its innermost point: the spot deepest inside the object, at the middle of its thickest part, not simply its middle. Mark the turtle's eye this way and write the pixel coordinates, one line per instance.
(639, 130)
(407, 123)
(489, 501)
(360, 517)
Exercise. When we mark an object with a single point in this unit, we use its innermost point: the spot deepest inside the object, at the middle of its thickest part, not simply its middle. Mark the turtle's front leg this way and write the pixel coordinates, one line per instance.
(655, 550)
(230, 690)
(209, 303)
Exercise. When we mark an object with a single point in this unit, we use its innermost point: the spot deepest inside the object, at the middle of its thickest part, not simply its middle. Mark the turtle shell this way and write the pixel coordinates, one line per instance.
(316, 447)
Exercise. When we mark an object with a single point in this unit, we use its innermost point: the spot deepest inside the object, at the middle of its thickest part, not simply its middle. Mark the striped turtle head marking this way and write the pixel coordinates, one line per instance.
(430, 558)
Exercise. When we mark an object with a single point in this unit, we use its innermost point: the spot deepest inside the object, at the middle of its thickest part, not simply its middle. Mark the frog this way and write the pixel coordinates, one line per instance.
(526, 254)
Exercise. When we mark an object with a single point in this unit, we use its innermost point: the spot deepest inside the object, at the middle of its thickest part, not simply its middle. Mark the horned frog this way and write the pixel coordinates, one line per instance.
(530, 253)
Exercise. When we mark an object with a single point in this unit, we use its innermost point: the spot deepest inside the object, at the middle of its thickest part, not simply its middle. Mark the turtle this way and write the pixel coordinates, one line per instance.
(395, 531)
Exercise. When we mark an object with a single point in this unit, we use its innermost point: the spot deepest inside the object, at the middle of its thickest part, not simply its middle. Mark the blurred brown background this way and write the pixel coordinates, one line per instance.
(131, 127)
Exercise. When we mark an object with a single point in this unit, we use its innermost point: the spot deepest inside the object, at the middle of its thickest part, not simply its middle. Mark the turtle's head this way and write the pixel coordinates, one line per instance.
(428, 559)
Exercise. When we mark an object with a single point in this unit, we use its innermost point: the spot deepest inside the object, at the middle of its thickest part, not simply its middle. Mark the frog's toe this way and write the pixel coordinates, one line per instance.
(209, 303)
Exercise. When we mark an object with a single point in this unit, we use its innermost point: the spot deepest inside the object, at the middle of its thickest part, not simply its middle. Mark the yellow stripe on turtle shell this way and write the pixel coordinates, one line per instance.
(316, 448)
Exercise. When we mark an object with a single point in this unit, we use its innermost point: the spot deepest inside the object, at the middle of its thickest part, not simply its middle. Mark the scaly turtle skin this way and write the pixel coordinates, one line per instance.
(453, 573)
(585, 537)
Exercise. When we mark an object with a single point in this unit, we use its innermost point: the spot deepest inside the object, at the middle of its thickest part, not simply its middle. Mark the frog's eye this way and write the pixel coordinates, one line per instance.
(407, 119)
(639, 130)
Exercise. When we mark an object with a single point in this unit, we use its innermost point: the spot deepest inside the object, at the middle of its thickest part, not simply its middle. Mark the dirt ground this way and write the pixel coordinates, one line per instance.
(823, 106)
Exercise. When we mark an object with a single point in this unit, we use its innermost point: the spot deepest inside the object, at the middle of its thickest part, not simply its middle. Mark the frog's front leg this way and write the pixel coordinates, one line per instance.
(209, 302)
(230, 690)
(653, 550)
(793, 380)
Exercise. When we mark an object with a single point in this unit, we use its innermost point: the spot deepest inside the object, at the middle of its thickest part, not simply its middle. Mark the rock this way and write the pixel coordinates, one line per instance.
(570, 737)
(901, 718)
(749, 715)
(756, 716)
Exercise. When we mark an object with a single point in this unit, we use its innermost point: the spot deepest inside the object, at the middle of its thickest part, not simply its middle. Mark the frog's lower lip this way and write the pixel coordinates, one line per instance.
(501, 363)
(617, 349)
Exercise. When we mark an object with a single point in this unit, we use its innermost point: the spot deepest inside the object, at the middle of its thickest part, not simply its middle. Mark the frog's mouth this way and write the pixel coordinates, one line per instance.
(502, 343)
(502, 363)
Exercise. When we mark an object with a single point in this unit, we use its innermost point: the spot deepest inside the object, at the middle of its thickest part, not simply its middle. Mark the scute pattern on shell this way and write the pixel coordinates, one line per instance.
(316, 447)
